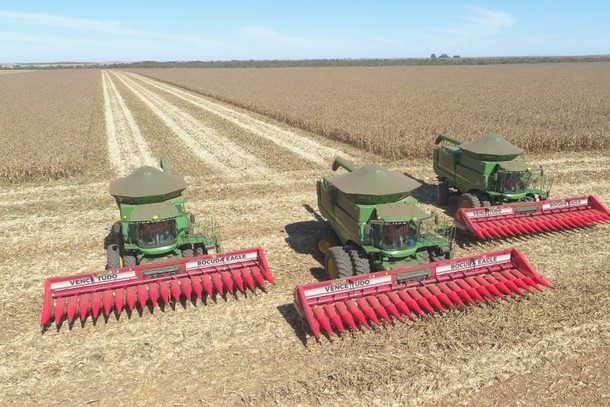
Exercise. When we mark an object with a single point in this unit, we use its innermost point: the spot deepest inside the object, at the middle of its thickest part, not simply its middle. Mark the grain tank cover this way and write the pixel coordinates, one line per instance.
(515, 165)
(491, 145)
(147, 182)
(374, 180)
(154, 212)
(398, 212)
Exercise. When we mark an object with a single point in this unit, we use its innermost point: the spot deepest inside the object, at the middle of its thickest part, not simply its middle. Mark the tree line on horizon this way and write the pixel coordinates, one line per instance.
(444, 59)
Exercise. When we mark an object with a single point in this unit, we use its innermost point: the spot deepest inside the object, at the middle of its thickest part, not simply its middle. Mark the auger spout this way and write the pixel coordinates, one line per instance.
(342, 162)
(447, 137)
(165, 166)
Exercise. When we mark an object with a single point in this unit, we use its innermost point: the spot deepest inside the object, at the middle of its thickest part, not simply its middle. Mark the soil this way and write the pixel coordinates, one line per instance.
(257, 178)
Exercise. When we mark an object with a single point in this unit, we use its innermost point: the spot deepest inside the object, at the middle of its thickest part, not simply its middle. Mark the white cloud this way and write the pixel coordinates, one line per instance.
(107, 27)
(456, 32)
(488, 20)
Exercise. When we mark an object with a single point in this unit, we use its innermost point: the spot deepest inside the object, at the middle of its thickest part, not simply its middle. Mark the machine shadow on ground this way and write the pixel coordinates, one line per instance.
(426, 193)
(302, 239)
(289, 313)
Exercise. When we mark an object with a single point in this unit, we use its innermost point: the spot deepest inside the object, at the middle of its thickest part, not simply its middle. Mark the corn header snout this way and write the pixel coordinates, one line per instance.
(365, 301)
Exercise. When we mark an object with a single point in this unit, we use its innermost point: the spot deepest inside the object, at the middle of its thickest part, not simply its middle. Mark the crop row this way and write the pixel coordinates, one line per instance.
(398, 111)
(46, 123)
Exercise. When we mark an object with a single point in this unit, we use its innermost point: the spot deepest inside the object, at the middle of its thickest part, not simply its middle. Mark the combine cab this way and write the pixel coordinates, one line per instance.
(490, 171)
(154, 224)
(375, 224)
(155, 254)
(380, 298)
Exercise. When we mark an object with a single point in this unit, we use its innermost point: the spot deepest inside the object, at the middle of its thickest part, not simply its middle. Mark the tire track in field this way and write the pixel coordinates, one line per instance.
(304, 147)
(213, 149)
(127, 148)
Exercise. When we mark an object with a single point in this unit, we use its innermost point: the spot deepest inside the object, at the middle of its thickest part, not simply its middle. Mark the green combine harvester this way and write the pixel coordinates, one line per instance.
(375, 223)
(502, 195)
(488, 171)
(156, 255)
(154, 223)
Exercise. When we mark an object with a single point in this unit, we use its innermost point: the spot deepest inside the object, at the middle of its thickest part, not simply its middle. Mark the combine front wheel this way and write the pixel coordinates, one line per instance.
(484, 199)
(529, 198)
(199, 250)
(129, 260)
(360, 262)
(469, 200)
(113, 257)
(338, 264)
(187, 252)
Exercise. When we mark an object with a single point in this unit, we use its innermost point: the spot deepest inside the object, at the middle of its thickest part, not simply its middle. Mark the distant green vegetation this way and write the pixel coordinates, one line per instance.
(356, 62)
(443, 59)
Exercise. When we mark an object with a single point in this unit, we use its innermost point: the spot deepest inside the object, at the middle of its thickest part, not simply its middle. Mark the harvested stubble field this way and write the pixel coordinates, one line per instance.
(256, 176)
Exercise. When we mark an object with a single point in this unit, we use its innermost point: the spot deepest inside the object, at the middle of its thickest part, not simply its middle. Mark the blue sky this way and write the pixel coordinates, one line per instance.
(111, 30)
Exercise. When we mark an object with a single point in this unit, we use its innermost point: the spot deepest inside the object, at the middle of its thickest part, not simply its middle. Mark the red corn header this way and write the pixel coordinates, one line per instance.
(532, 217)
(160, 282)
(368, 300)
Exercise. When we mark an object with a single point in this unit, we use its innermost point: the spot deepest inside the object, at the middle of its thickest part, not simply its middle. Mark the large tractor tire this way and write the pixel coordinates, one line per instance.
(200, 250)
(360, 263)
(469, 200)
(338, 263)
(187, 252)
(129, 260)
(113, 257)
(484, 199)
(442, 193)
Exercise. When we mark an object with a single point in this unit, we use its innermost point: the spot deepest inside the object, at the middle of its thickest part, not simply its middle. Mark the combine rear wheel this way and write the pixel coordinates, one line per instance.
(469, 200)
(338, 263)
(442, 193)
